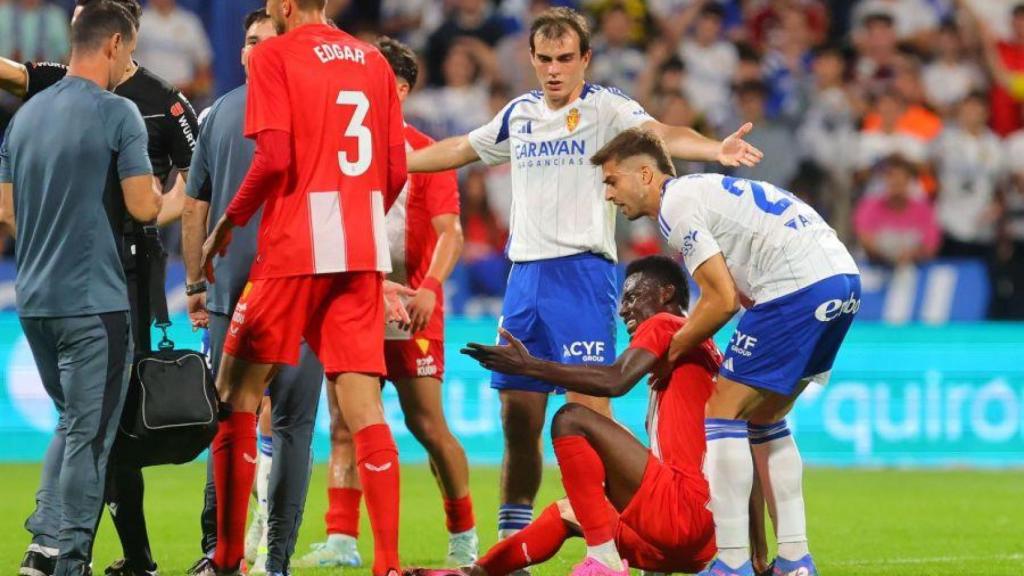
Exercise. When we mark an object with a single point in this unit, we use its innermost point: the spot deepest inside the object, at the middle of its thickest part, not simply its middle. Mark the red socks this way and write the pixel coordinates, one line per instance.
(583, 479)
(377, 457)
(234, 466)
(534, 544)
(459, 514)
(342, 515)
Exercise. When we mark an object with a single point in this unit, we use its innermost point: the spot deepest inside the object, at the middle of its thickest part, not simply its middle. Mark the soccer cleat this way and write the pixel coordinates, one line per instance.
(120, 568)
(719, 568)
(38, 561)
(200, 566)
(208, 568)
(338, 551)
(802, 567)
(767, 571)
(592, 567)
(254, 535)
(463, 548)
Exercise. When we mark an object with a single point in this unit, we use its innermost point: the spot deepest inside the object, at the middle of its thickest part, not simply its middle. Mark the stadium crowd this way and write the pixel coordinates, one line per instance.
(898, 120)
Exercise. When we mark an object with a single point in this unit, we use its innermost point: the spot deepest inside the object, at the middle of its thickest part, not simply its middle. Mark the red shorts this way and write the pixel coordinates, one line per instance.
(414, 358)
(341, 317)
(667, 527)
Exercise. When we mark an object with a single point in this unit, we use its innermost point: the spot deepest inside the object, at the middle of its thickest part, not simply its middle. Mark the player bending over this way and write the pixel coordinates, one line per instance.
(329, 162)
(749, 242)
(634, 506)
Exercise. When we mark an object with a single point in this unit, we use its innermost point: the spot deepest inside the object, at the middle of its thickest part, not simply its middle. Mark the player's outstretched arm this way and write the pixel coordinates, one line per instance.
(596, 380)
(448, 154)
(687, 144)
(13, 77)
(718, 303)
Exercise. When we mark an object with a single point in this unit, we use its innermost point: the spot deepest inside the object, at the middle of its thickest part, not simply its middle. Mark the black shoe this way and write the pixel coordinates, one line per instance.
(120, 568)
(37, 563)
(768, 571)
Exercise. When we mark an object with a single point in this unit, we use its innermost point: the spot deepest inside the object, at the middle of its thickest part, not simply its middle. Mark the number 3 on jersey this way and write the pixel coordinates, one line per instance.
(356, 129)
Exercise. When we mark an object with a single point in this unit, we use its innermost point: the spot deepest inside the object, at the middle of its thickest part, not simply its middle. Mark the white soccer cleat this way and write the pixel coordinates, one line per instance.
(463, 548)
(339, 551)
(253, 536)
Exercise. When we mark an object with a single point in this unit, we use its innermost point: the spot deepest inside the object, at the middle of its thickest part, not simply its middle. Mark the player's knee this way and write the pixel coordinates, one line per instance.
(427, 431)
(569, 420)
(340, 433)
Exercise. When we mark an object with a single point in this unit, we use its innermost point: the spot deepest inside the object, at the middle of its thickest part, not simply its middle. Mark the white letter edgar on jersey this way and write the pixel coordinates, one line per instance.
(329, 52)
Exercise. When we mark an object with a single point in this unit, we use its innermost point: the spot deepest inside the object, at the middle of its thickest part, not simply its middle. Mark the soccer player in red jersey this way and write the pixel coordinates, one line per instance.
(643, 507)
(329, 162)
(425, 239)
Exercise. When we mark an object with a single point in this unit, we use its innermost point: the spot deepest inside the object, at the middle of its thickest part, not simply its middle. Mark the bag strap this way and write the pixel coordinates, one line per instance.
(157, 261)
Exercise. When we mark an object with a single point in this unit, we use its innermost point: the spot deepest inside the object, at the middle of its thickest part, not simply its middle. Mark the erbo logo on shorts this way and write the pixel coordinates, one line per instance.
(832, 309)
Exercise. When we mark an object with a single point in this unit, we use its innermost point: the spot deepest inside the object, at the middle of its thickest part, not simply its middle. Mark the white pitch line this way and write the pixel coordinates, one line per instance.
(926, 560)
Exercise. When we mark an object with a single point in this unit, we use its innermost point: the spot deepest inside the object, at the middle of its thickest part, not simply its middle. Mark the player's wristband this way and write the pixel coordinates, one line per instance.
(434, 285)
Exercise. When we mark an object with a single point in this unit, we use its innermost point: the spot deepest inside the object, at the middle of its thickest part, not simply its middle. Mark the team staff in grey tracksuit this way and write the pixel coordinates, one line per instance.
(219, 165)
(58, 155)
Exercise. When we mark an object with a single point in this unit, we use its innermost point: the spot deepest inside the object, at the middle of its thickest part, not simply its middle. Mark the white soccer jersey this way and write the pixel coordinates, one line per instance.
(773, 243)
(558, 205)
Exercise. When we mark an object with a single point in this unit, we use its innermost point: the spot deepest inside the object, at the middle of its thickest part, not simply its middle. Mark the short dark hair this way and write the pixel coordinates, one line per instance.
(132, 6)
(556, 22)
(1018, 10)
(254, 17)
(635, 142)
(878, 18)
(901, 162)
(401, 58)
(667, 272)
(98, 21)
(713, 11)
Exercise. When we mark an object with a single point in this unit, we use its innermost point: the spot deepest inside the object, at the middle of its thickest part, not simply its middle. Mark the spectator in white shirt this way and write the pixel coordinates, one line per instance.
(950, 77)
(616, 61)
(969, 163)
(710, 64)
(462, 102)
(174, 46)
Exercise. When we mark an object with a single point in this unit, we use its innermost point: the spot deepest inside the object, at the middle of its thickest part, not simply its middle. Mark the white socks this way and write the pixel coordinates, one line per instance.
(607, 554)
(730, 473)
(781, 471)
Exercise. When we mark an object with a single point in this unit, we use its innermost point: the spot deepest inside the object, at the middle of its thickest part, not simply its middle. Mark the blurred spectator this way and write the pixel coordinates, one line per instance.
(513, 51)
(672, 18)
(663, 72)
(33, 30)
(827, 134)
(787, 62)
(769, 21)
(616, 61)
(969, 164)
(499, 176)
(1005, 59)
(410, 20)
(460, 105)
(675, 110)
(886, 132)
(472, 18)
(174, 46)
(897, 227)
(915, 20)
(635, 9)
(772, 137)
(877, 50)
(485, 237)
(748, 69)
(710, 64)
(950, 76)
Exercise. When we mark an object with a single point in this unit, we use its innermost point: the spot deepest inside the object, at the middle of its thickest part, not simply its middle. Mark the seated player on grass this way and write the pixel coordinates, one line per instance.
(643, 506)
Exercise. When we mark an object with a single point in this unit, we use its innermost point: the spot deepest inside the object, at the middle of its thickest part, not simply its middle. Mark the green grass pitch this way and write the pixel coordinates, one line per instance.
(862, 522)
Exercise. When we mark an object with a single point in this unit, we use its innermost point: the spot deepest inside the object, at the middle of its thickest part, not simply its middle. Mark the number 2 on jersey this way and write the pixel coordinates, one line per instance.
(735, 186)
(356, 129)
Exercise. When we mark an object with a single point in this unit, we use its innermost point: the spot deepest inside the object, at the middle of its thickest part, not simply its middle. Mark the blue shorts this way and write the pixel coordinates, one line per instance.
(792, 338)
(563, 310)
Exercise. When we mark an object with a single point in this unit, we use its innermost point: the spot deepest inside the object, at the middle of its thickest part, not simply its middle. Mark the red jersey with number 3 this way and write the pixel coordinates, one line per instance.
(336, 97)
(675, 418)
